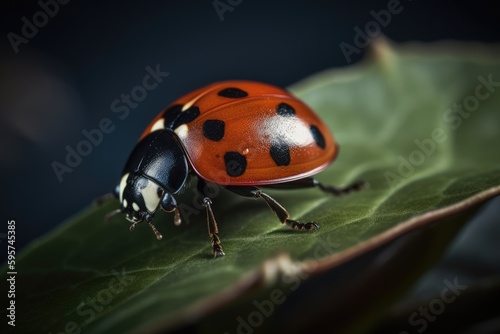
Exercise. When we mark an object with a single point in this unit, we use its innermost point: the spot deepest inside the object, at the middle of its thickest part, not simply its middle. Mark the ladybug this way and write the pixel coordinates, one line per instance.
(237, 134)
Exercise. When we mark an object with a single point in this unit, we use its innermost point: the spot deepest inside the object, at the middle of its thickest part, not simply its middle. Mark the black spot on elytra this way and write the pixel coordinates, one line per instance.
(280, 152)
(159, 192)
(233, 93)
(175, 117)
(318, 136)
(213, 129)
(187, 116)
(285, 110)
(171, 114)
(236, 163)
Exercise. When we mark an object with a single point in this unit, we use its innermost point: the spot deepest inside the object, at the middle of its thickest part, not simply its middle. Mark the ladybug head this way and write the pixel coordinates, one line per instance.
(140, 198)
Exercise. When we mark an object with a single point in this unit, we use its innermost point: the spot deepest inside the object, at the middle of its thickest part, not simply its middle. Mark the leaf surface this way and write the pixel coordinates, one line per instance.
(393, 117)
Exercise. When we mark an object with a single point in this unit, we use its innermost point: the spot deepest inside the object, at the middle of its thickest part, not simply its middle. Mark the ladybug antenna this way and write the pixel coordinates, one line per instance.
(158, 234)
(111, 214)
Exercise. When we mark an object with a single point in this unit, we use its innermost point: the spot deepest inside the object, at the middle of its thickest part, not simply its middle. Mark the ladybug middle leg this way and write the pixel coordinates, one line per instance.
(278, 209)
(213, 230)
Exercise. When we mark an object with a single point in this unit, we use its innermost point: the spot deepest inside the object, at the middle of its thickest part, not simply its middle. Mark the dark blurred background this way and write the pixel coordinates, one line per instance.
(66, 76)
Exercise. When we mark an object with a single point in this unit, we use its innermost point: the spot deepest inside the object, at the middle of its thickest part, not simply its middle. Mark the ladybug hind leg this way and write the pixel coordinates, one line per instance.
(278, 209)
(310, 182)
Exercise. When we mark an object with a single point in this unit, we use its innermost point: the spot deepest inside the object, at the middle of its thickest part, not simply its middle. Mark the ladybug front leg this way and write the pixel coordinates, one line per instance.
(213, 230)
(278, 209)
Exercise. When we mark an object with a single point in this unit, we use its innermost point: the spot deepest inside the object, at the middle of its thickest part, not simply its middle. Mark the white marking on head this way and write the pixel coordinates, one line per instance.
(182, 131)
(150, 196)
(135, 206)
(124, 203)
(123, 183)
(159, 125)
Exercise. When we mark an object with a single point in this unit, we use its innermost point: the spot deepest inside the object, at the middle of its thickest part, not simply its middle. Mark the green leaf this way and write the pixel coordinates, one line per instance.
(393, 117)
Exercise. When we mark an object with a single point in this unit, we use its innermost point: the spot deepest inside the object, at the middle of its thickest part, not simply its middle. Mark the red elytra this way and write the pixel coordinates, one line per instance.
(279, 137)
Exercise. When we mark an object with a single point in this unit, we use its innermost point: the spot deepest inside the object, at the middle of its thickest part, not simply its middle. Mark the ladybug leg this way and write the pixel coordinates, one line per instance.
(310, 182)
(340, 191)
(106, 197)
(278, 209)
(213, 230)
